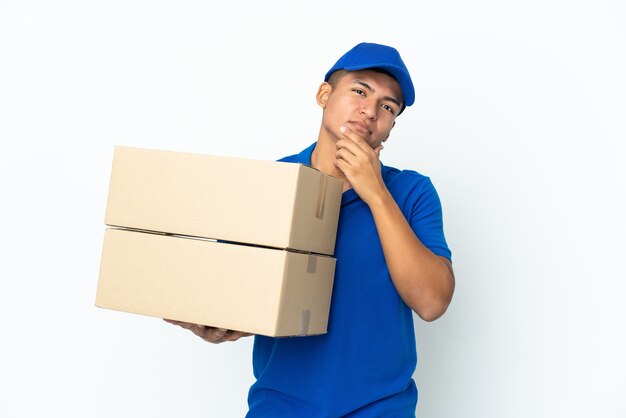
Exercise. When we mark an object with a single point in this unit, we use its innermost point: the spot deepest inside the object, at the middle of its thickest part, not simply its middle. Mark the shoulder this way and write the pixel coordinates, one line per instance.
(303, 157)
(414, 192)
(289, 159)
(406, 181)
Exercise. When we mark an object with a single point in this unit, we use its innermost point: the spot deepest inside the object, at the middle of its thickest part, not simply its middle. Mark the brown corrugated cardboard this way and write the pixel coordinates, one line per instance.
(246, 288)
(282, 205)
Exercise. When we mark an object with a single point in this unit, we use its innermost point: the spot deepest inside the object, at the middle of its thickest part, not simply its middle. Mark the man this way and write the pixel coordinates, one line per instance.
(392, 260)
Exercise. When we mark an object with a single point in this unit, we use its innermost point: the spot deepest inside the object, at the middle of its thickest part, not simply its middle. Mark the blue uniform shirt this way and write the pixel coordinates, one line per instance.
(363, 366)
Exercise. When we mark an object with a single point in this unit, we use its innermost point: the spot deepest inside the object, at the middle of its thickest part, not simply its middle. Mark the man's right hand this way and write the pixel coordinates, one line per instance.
(210, 334)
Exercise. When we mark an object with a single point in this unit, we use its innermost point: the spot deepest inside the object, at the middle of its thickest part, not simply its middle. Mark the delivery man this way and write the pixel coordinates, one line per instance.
(392, 260)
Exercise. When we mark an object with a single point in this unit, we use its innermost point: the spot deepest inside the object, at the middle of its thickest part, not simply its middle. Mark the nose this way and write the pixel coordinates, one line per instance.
(369, 109)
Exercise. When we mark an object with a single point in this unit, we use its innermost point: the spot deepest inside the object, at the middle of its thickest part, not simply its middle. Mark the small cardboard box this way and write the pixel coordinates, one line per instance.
(274, 204)
(246, 288)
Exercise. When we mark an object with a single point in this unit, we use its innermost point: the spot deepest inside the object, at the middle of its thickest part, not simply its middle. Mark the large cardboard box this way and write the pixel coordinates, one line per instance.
(274, 204)
(252, 289)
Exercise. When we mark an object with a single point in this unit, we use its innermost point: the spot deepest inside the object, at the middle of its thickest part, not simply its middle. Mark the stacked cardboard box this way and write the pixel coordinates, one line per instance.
(227, 242)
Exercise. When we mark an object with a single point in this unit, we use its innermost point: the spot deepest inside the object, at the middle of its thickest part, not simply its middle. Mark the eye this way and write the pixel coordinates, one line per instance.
(359, 91)
(388, 108)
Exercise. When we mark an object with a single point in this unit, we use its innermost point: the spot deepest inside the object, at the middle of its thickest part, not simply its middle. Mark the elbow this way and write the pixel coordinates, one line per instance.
(436, 303)
(432, 312)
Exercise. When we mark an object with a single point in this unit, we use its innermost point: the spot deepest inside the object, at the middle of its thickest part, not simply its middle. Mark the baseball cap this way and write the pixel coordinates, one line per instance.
(368, 55)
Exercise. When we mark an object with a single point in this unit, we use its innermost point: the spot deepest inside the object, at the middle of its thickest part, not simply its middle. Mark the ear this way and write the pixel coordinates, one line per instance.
(322, 94)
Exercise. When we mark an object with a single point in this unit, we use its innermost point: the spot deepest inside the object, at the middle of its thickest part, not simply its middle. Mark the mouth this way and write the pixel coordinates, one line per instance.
(361, 127)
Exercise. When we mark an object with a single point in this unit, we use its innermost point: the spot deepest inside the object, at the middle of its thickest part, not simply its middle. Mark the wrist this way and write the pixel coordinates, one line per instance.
(380, 199)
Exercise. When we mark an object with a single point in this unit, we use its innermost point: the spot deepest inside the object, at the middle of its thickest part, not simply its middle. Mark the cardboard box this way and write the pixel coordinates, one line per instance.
(258, 290)
(281, 205)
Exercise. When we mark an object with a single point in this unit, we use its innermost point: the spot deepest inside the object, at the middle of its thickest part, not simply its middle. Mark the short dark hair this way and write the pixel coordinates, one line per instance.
(335, 77)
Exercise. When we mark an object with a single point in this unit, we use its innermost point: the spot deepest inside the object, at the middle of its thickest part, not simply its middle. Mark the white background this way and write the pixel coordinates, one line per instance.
(519, 121)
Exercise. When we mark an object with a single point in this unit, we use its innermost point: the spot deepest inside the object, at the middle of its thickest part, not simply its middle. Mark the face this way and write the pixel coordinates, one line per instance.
(365, 101)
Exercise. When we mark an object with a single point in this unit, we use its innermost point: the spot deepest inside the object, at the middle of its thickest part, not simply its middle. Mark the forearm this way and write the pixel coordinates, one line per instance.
(424, 280)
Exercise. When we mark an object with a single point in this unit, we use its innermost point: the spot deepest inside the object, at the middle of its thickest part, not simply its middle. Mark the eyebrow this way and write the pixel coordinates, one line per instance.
(367, 86)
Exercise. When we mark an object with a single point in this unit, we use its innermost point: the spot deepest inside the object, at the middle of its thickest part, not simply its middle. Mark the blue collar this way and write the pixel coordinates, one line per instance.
(304, 157)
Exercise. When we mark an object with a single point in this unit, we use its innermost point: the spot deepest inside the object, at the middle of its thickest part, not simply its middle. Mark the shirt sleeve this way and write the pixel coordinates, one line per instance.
(426, 218)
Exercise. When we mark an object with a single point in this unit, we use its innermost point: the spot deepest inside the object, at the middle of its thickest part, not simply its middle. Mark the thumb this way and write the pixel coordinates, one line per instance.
(378, 149)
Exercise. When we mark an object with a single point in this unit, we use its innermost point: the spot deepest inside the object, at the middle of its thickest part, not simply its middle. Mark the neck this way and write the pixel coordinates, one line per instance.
(323, 159)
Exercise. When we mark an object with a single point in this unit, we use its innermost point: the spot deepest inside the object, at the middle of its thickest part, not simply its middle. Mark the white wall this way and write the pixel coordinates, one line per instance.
(519, 121)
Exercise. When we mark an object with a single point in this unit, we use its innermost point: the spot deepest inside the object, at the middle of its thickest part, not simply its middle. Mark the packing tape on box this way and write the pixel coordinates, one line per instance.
(312, 264)
(304, 322)
(321, 197)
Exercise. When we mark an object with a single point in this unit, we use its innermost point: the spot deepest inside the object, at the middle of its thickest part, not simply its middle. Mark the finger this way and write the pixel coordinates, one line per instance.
(210, 334)
(355, 137)
(214, 335)
(345, 155)
(356, 156)
(190, 326)
(229, 335)
(344, 167)
(233, 336)
(199, 329)
(348, 145)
